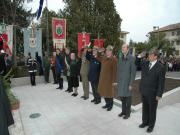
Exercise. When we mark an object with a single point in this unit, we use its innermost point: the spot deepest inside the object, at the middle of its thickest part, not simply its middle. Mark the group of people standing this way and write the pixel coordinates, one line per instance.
(105, 72)
(173, 65)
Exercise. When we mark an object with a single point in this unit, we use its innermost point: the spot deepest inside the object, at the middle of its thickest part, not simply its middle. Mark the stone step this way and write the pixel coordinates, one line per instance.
(173, 109)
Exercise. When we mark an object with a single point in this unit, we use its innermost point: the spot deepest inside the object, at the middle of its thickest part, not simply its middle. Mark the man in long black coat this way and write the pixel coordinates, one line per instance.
(6, 118)
(151, 88)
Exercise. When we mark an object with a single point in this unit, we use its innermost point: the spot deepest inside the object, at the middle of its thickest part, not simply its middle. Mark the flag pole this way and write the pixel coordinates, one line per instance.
(47, 29)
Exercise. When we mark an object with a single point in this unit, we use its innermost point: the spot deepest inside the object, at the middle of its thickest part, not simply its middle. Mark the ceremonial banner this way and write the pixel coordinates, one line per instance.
(9, 32)
(99, 43)
(32, 41)
(59, 32)
(83, 39)
(7, 38)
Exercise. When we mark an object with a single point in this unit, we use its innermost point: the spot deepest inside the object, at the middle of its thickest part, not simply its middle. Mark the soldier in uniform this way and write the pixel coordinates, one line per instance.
(84, 73)
(46, 64)
(32, 65)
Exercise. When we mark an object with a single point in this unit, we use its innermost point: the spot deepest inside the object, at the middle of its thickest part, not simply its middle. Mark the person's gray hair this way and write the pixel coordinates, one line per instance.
(154, 51)
(126, 45)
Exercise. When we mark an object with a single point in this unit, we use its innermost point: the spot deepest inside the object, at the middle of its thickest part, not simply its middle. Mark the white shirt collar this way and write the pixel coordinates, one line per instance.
(153, 63)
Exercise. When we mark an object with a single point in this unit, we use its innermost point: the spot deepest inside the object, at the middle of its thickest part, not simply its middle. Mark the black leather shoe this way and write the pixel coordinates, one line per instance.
(85, 98)
(105, 106)
(74, 94)
(93, 100)
(121, 114)
(70, 91)
(126, 117)
(97, 102)
(143, 125)
(109, 108)
(82, 96)
(67, 90)
(150, 129)
(58, 88)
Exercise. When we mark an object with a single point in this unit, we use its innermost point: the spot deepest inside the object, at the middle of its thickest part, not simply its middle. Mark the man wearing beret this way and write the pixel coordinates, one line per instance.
(107, 77)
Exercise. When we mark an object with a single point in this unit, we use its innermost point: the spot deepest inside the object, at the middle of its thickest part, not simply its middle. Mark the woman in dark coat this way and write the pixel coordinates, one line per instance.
(74, 75)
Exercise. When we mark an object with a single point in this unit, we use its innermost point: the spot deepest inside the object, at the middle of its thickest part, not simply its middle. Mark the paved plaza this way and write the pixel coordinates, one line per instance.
(62, 114)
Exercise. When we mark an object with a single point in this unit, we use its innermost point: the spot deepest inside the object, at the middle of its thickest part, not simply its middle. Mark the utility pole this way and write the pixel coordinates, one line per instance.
(98, 39)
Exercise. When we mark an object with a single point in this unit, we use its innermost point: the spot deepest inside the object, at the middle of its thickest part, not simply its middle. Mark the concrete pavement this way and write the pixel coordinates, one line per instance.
(62, 114)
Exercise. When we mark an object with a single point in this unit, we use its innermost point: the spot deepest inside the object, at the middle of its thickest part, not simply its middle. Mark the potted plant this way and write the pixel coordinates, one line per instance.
(14, 101)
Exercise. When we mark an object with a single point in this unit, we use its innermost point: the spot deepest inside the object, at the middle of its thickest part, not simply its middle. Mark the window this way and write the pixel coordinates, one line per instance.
(122, 36)
(178, 42)
(172, 42)
(178, 32)
(173, 33)
(177, 52)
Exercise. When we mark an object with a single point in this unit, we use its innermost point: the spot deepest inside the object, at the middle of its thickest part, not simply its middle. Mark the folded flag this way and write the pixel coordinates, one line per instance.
(40, 8)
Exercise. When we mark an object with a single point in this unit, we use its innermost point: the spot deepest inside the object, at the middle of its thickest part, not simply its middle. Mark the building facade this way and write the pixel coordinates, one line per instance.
(123, 36)
(172, 33)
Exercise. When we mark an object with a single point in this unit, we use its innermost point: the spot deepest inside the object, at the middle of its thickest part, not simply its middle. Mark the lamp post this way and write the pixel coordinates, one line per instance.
(157, 27)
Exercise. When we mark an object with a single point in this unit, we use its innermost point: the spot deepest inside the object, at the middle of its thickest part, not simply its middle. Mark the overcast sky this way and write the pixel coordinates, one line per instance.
(139, 16)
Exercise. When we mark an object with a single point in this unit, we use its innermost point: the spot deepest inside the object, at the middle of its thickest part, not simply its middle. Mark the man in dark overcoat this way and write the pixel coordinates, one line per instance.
(126, 75)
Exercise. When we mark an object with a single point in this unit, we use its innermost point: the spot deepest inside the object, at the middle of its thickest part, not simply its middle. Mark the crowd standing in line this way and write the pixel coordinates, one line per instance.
(104, 71)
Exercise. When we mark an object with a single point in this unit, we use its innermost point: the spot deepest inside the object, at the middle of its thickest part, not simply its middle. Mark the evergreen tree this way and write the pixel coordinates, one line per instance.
(93, 16)
(13, 12)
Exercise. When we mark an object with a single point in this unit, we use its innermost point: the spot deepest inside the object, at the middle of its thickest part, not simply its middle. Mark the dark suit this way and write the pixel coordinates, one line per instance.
(93, 76)
(2, 64)
(59, 69)
(6, 118)
(152, 85)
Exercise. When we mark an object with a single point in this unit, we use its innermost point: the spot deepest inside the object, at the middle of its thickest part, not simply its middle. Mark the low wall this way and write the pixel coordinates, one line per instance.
(170, 97)
(15, 82)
